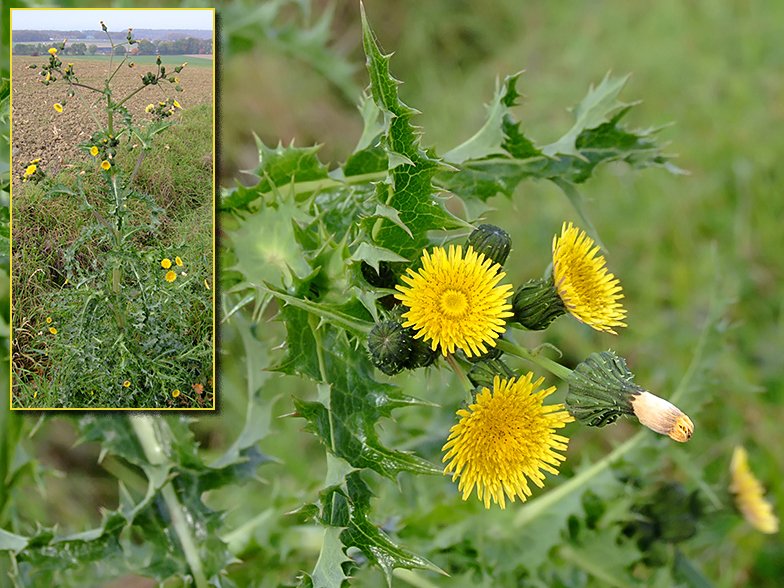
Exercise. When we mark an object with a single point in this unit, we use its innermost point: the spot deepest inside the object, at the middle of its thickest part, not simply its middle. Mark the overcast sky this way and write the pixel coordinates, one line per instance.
(71, 19)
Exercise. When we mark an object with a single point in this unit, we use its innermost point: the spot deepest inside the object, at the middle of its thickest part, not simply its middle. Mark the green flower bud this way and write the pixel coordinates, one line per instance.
(422, 353)
(493, 241)
(536, 304)
(483, 373)
(389, 345)
(601, 389)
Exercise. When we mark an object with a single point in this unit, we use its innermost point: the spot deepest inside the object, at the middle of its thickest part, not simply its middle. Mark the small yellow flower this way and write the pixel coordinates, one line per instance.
(93, 150)
(176, 80)
(131, 64)
(455, 301)
(177, 104)
(52, 330)
(36, 160)
(30, 170)
(126, 383)
(178, 261)
(48, 320)
(171, 276)
(92, 392)
(206, 285)
(162, 103)
(52, 51)
(35, 395)
(589, 293)
(504, 439)
(149, 108)
(175, 394)
(750, 495)
(166, 263)
(106, 165)
(58, 107)
(48, 76)
(70, 65)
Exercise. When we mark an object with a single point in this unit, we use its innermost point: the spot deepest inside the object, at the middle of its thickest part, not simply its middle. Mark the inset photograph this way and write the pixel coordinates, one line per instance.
(112, 191)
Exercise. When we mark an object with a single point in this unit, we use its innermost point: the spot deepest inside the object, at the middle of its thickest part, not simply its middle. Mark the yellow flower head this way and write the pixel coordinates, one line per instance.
(149, 108)
(58, 107)
(36, 160)
(178, 261)
(131, 64)
(52, 51)
(126, 383)
(177, 104)
(589, 293)
(175, 394)
(162, 103)
(504, 439)
(749, 494)
(52, 330)
(170, 276)
(105, 165)
(93, 150)
(455, 301)
(30, 169)
(48, 76)
(48, 320)
(166, 263)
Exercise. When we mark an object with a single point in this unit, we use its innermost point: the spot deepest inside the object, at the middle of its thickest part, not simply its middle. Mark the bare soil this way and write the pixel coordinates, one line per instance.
(39, 131)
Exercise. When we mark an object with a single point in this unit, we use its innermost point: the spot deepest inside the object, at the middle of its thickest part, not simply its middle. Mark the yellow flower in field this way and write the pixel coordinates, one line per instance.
(52, 330)
(35, 394)
(176, 80)
(171, 276)
(48, 76)
(454, 301)
(52, 51)
(162, 103)
(175, 394)
(106, 165)
(166, 263)
(36, 160)
(749, 494)
(93, 150)
(48, 320)
(178, 261)
(149, 108)
(131, 64)
(589, 293)
(126, 383)
(177, 104)
(92, 392)
(30, 169)
(58, 107)
(504, 439)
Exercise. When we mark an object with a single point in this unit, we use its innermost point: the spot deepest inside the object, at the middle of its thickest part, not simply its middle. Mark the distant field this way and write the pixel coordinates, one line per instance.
(167, 60)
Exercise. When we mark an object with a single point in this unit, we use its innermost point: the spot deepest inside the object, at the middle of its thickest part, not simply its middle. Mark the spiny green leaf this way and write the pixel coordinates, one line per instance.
(411, 169)
(356, 403)
(328, 572)
(370, 540)
(592, 111)
(284, 165)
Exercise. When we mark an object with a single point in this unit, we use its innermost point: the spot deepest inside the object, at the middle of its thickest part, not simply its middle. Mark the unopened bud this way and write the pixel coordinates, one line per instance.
(493, 241)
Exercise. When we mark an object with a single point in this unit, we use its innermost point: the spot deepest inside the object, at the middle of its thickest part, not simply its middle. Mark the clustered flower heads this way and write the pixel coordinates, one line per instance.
(162, 110)
(453, 304)
(103, 148)
(33, 172)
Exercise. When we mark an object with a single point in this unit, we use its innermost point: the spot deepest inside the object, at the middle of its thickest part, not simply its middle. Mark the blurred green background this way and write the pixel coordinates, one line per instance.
(715, 69)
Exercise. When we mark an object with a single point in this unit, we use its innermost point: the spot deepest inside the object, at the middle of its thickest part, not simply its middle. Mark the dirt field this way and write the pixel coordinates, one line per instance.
(40, 132)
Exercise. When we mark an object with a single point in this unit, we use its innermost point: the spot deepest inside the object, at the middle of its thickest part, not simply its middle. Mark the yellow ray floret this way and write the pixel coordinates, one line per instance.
(455, 301)
(749, 494)
(588, 291)
(504, 439)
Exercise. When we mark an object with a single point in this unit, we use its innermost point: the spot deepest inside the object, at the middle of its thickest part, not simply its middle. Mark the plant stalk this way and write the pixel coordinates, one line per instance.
(144, 427)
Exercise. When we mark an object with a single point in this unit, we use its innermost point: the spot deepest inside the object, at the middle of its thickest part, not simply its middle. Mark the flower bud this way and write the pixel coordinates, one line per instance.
(483, 373)
(536, 304)
(493, 241)
(389, 345)
(601, 389)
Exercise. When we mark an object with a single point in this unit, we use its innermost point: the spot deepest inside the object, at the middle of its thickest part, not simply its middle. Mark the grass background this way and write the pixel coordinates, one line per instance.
(711, 68)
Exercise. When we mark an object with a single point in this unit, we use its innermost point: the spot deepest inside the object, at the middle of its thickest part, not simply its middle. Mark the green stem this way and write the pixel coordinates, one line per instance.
(144, 427)
(77, 92)
(540, 505)
(551, 366)
(466, 383)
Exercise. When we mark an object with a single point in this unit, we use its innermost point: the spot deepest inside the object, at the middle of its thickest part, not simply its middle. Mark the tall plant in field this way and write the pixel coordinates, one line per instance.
(131, 326)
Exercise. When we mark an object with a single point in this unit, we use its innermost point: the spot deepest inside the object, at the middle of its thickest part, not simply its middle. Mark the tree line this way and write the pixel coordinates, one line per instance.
(188, 46)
